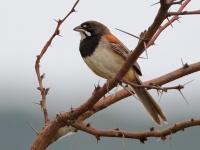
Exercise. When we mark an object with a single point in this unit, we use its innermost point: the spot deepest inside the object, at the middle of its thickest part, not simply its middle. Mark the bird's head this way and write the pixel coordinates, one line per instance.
(91, 28)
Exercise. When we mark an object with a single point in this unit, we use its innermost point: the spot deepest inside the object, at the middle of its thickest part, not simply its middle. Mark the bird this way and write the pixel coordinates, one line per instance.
(105, 54)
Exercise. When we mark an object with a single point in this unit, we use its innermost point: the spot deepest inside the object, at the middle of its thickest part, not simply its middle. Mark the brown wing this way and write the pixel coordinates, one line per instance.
(122, 50)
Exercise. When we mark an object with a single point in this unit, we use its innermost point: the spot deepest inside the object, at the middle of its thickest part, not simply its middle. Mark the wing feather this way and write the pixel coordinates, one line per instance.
(122, 50)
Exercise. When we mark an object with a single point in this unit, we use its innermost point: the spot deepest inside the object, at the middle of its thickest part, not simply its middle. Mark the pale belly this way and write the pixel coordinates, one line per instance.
(104, 63)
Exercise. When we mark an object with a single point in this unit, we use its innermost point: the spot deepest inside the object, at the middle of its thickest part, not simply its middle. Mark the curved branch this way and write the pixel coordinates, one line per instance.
(142, 136)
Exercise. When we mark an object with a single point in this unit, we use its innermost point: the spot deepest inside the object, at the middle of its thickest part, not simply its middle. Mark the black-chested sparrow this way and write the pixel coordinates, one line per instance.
(105, 54)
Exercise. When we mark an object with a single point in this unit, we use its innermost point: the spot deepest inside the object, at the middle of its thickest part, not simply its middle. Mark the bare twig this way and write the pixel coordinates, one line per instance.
(151, 42)
(157, 87)
(44, 91)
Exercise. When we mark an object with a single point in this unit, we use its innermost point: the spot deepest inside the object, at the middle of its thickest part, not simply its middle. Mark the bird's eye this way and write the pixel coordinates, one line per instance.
(89, 27)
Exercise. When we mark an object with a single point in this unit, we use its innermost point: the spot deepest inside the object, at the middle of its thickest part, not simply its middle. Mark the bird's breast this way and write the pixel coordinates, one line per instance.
(104, 61)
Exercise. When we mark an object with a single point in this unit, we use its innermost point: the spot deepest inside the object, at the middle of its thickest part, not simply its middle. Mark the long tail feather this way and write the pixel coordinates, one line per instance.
(150, 104)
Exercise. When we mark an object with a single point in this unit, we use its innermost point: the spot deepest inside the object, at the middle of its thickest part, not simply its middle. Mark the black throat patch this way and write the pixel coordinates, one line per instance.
(88, 45)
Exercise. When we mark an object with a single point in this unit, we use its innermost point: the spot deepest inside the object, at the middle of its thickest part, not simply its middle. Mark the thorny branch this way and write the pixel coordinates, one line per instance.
(142, 136)
(153, 86)
(44, 91)
(174, 18)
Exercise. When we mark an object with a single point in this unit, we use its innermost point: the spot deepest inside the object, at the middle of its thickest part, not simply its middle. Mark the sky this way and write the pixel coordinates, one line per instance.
(25, 28)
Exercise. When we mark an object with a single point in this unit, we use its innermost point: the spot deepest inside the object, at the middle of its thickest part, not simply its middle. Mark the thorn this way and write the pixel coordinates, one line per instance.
(130, 34)
(88, 125)
(55, 20)
(143, 57)
(96, 88)
(59, 35)
(117, 129)
(184, 65)
(182, 62)
(160, 97)
(47, 90)
(158, 139)
(170, 22)
(179, 20)
(188, 82)
(98, 138)
(42, 76)
(158, 92)
(183, 96)
(36, 103)
(155, 4)
(143, 140)
(192, 119)
(33, 128)
(152, 129)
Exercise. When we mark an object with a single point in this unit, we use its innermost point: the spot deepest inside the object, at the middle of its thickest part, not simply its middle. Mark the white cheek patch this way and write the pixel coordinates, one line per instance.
(87, 33)
(84, 33)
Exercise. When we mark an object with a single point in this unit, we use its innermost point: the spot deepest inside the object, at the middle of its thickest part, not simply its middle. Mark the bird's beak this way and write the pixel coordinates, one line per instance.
(78, 28)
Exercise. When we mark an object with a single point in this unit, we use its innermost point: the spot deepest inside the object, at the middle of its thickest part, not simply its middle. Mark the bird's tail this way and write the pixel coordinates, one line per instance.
(150, 104)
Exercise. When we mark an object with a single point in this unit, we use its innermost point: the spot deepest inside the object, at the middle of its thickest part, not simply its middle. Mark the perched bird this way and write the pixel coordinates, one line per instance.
(105, 54)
